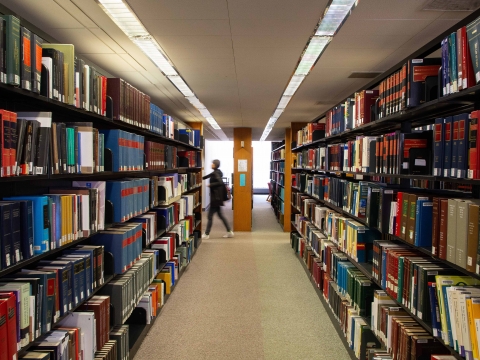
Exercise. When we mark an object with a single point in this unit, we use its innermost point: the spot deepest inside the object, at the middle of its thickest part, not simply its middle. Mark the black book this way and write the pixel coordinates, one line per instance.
(373, 196)
(21, 128)
(45, 82)
(75, 149)
(42, 147)
(61, 77)
(58, 153)
(3, 51)
(79, 92)
(387, 196)
(54, 55)
(6, 234)
(36, 54)
(93, 86)
(26, 58)
(27, 148)
(26, 233)
(63, 147)
(33, 148)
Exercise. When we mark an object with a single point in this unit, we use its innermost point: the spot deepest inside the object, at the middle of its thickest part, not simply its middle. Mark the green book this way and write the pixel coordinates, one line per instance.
(70, 140)
(473, 35)
(101, 149)
(23, 292)
(13, 60)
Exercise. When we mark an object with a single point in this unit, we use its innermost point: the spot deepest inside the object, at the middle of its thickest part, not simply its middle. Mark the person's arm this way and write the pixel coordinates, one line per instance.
(216, 181)
(208, 176)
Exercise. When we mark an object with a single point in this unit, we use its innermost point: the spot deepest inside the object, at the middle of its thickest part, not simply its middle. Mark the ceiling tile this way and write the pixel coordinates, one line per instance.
(180, 9)
(274, 9)
(171, 43)
(392, 9)
(273, 27)
(195, 53)
(114, 62)
(84, 40)
(187, 27)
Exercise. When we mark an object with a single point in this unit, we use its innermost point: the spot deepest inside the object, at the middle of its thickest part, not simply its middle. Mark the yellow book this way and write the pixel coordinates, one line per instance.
(69, 218)
(443, 282)
(63, 201)
(167, 278)
(473, 312)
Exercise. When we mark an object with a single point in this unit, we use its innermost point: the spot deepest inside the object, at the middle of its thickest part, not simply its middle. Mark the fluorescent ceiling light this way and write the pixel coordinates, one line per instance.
(311, 54)
(195, 102)
(127, 21)
(150, 47)
(181, 85)
(278, 112)
(294, 84)
(284, 102)
(334, 17)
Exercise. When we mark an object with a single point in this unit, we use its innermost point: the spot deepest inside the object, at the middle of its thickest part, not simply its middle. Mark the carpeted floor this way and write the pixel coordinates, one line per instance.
(244, 298)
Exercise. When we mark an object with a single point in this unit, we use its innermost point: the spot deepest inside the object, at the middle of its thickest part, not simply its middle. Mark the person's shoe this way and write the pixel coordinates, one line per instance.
(228, 234)
(205, 236)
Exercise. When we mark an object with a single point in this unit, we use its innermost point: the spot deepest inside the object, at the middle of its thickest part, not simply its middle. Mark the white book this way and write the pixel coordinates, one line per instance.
(86, 87)
(48, 63)
(84, 320)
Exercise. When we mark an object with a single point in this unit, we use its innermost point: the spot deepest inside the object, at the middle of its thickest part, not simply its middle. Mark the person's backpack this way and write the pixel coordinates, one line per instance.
(227, 194)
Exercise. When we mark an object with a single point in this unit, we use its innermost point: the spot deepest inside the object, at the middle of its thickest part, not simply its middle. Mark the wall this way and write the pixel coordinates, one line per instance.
(223, 151)
(262, 151)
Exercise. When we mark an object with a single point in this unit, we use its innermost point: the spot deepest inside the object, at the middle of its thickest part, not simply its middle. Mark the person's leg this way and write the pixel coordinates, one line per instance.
(220, 215)
(211, 211)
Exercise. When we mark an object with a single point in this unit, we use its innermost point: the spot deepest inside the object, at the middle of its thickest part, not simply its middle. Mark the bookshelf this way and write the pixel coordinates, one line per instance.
(161, 219)
(277, 180)
(321, 248)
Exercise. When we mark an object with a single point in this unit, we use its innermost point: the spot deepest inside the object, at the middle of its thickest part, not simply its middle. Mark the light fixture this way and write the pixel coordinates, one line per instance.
(181, 85)
(127, 21)
(333, 18)
(293, 85)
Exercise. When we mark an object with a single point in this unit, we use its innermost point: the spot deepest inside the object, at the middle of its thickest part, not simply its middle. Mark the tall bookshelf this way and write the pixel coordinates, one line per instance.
(16, 99)
(320, 248)
(277, 181)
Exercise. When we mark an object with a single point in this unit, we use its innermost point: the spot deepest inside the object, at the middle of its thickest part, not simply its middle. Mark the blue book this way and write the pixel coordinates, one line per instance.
(439, 138)
(92, 262)
(114, 241)
(447, 66)
(444, 67)
(65, 287)
(47, 280)
(455, 133)
(57, 233)
(447, 163)
(15, 244)
(424, 238)
(114, 194)
(113, 141)
(453, 62)
(171, 266)
(6, 245)
(87, 259)
(462, 145)
(41, 223)
(78, 273)
(26, 217)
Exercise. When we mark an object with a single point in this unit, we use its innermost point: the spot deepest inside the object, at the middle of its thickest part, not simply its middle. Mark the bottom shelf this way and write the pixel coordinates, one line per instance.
(329, 312)
(138, 332)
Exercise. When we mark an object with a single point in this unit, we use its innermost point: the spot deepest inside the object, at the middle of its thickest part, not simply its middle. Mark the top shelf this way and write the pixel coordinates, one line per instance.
(456, 103)
(24, 100)
(279, 148)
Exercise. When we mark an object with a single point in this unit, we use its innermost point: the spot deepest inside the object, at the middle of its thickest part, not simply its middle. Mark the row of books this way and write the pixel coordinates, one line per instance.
(76, 212)
(279, 178)
(49, 291)
(447, 227)
(189, 159)
(278, 166)
(34, 145)
(414, 83)
(190, 180)
(278, 155)
(54, 71)
(311, 132)
(340, 282)
(395, 153)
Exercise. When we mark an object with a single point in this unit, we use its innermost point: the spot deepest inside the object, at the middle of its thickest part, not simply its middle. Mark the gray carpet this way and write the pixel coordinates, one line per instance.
(244, 298)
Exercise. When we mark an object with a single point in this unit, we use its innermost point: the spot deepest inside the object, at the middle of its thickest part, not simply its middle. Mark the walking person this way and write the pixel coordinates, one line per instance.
(217, 189)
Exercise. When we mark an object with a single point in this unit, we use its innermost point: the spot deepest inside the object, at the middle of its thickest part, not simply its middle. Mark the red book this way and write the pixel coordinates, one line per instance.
(442, 238)
(473, 146)
(467, 66)
(3, 330)
(398, 215)
(13, 142)
(104, 95)
(10, 300)
(5, 139)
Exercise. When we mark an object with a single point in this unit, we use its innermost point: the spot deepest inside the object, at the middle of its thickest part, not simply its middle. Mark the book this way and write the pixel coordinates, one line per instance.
(12, 26)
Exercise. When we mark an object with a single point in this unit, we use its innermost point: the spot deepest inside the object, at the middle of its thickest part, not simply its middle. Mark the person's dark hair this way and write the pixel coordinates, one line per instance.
(216, 163)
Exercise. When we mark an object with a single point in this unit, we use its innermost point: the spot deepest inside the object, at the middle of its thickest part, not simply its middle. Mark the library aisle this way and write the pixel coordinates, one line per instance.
(244, 298)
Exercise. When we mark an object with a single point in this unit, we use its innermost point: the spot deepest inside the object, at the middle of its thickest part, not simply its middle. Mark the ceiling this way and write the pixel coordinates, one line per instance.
(238, 55)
